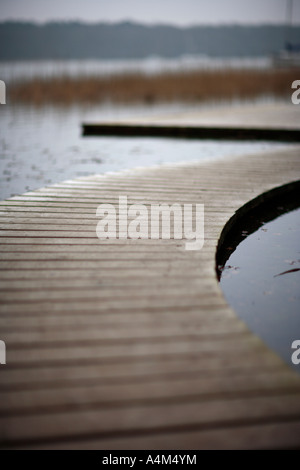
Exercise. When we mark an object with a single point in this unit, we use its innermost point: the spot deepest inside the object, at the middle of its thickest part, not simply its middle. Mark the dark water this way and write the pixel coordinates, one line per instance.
(261, 277)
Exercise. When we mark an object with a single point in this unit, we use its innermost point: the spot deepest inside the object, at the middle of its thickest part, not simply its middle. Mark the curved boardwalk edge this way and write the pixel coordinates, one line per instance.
(130, 344)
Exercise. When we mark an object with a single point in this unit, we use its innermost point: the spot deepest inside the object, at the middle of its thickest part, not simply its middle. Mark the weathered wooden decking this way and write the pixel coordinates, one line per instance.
(130, 344)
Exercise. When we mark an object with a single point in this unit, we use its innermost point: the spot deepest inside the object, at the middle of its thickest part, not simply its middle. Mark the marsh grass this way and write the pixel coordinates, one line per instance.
(200, 86)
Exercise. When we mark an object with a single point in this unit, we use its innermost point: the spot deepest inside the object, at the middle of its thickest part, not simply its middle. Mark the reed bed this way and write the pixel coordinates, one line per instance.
(189, 87)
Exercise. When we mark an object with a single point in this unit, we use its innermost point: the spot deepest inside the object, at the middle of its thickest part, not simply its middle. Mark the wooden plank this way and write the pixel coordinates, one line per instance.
(282, 435)
(107, 421)
(76, 333)
(102, 395)
(80, 305)
(138, 370)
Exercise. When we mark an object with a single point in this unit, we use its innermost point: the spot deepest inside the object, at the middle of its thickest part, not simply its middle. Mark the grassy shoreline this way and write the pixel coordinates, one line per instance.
(190, 87)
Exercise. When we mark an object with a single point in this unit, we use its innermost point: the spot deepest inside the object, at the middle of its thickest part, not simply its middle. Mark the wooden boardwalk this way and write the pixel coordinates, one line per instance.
(131, 344)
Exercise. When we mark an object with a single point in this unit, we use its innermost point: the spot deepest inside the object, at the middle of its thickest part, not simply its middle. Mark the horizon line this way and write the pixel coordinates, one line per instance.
(144, 24)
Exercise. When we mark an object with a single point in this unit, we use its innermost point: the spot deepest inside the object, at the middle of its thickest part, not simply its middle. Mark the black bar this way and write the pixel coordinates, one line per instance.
(192, 132)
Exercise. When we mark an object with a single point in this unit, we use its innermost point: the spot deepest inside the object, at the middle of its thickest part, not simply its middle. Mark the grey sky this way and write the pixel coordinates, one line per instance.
(179, 12)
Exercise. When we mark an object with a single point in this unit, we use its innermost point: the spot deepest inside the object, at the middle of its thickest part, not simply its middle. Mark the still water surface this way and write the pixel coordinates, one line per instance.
(41, 146)
(261, 281)
(16, 71)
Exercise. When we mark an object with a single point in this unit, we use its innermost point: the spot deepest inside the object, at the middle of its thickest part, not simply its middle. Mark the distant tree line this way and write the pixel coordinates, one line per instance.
(74, 40)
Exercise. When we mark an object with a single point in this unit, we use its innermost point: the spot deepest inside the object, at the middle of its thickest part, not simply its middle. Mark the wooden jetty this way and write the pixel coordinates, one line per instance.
(271, 121)
(189, 132)
(130, 344)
